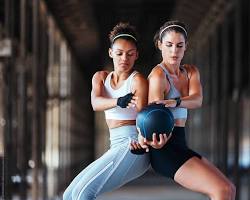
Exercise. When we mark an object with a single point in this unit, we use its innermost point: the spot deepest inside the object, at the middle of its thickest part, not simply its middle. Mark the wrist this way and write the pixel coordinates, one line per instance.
(119, 102)
(178, 101)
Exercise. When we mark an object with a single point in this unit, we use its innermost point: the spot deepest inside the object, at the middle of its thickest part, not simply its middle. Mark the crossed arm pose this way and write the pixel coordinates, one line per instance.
(178, 87)
(120, 94)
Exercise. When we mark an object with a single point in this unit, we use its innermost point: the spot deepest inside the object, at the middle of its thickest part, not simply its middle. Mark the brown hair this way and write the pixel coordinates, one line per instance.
(169, 26)
(124, 30)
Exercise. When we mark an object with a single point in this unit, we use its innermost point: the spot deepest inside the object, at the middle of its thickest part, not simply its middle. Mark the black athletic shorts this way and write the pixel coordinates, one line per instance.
(173, 155)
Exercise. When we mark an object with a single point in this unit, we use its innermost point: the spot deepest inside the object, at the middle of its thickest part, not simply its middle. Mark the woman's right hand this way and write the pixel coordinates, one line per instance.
(144, 143)
(158, 144)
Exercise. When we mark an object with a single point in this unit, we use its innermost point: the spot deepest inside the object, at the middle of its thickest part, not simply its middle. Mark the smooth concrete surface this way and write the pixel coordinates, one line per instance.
(152, 193)
(152, 186)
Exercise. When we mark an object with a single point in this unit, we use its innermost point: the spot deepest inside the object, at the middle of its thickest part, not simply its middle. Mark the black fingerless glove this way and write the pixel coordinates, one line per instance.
(138, 151)
(124, 101)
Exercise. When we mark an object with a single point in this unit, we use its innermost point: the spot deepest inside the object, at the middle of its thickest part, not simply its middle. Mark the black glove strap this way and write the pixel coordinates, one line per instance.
(178, 101)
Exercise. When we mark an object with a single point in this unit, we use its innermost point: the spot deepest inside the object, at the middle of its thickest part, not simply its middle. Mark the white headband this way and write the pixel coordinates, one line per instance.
(174, 25)
(124, 35)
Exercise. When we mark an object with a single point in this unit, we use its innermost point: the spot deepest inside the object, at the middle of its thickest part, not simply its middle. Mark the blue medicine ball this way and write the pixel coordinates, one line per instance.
(155, 118)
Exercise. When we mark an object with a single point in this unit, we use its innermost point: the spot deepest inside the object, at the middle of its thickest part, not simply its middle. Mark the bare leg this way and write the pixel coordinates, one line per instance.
(201, 176)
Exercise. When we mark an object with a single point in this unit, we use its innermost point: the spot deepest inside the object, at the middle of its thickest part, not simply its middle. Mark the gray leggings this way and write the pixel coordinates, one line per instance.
(112, 170)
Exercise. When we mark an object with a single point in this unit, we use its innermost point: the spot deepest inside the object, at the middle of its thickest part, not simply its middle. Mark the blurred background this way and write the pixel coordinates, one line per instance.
(49, 50)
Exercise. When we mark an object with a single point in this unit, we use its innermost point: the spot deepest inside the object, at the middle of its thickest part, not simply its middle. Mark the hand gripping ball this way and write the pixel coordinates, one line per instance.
(155, 118)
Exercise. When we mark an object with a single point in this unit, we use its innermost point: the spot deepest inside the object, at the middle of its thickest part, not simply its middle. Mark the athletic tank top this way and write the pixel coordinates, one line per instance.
(117, 112)
(179, 113)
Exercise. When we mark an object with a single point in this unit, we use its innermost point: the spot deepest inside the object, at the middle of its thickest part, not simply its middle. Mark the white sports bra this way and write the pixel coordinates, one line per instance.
(117, 112)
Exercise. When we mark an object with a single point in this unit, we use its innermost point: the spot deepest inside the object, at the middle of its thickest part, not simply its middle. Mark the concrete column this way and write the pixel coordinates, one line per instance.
(35, 105)
(2, 125)
(224, 94)
(237, 88)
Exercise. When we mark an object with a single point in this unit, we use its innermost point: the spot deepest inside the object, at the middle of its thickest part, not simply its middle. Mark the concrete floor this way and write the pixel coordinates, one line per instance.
(166, 192)
(152, 187)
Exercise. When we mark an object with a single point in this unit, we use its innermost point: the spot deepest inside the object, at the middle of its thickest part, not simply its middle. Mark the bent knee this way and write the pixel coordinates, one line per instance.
(83, 193)
(231, 190)
(226, 190)
(67, 194)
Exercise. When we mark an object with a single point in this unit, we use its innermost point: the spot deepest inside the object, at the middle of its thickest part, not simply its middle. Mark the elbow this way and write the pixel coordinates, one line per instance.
(95, 108)
(199, 102)
(95, 105)
(196, 104)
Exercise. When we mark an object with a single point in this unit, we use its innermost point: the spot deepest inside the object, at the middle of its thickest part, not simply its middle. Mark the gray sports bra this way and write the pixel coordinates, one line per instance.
(179, 113)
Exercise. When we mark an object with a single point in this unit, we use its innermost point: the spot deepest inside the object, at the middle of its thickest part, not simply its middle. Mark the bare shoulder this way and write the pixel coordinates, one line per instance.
(156, 73)
(191, 70)
(100, 75)
(139, 81)
(139, 77)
